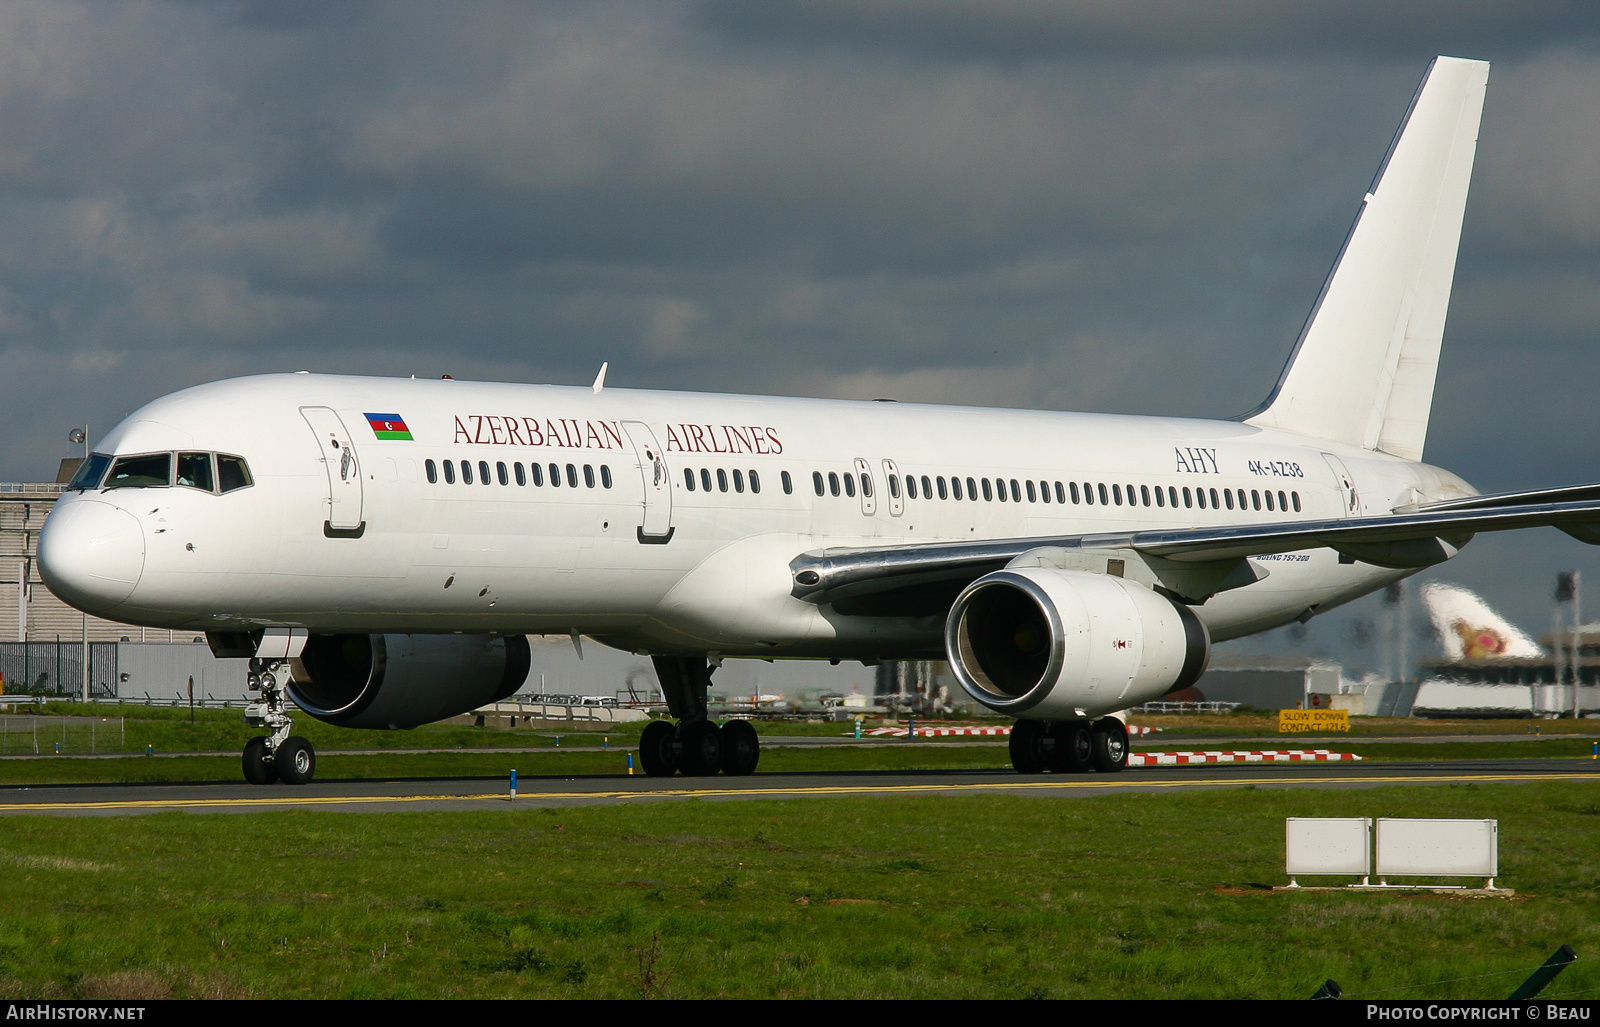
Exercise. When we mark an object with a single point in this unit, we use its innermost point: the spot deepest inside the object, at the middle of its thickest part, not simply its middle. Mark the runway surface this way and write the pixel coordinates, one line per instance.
(486, 794)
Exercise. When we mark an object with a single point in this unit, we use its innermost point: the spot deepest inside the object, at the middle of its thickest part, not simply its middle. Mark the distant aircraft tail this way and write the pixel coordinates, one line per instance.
(1469, 630)
(1362, 371)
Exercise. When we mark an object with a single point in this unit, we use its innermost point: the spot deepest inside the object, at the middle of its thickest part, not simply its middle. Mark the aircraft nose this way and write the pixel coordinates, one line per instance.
(91, 554)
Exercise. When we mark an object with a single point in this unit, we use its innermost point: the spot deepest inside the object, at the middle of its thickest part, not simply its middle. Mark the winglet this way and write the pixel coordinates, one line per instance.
(600, 379)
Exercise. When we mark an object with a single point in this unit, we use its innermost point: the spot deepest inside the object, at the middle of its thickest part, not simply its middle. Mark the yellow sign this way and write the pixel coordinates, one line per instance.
(1313, 720)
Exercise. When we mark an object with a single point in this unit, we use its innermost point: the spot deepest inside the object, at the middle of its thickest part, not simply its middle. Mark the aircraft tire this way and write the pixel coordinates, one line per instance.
(1073, 751)
(741, 748)
(700, 748)
(295, 761)
(1110, 745)
(657, 754)
(258, 770)
(1027, 746)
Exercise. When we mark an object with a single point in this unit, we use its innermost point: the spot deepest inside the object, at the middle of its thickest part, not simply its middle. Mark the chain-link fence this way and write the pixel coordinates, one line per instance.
(21, 735)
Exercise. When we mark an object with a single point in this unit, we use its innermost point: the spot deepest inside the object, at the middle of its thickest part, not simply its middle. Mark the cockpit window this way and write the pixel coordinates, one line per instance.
(194, 470)
(232, 473)
(91, 471)
(134, 472)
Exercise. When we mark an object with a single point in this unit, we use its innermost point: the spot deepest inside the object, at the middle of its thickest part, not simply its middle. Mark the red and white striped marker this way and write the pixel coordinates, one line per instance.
(1178, 759)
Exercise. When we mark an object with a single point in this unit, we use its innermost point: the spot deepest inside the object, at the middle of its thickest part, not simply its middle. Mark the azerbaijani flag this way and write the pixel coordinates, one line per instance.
(389, 426)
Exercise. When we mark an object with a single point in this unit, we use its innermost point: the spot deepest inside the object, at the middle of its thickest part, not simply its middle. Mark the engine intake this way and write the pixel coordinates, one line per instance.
(401, 681)
(1052, 644)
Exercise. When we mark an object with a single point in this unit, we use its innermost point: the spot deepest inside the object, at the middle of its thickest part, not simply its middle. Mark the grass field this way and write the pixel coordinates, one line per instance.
(952, 897)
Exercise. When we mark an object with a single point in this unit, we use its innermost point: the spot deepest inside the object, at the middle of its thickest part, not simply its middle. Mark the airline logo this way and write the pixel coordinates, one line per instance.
(389, 426)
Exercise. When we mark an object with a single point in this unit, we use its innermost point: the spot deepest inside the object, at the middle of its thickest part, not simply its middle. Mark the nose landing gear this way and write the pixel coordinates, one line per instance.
(696, 747)
(279, 756)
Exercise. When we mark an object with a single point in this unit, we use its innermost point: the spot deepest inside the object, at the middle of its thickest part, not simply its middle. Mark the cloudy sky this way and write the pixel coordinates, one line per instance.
(1125, 205)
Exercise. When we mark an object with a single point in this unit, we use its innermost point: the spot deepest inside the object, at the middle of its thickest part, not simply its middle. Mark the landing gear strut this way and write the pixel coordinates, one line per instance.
(279, 756)
(1069, 746)
(696, 746)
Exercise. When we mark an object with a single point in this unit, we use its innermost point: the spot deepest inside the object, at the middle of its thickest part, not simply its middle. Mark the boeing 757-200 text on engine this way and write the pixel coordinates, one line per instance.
(380, 549)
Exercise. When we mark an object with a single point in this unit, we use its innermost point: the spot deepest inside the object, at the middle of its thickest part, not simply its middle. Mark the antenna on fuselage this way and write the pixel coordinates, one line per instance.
(600, 379)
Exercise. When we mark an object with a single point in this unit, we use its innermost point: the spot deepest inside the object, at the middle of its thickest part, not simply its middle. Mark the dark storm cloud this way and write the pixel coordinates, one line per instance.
(1110, 206)
(1157, 29)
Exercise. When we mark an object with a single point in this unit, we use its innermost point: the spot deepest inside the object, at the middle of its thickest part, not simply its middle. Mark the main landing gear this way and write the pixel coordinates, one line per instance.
(1069, 746)
(279, 756)
(695, 746)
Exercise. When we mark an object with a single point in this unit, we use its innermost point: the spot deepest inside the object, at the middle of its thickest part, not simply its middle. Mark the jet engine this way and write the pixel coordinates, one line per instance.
(401, 681)
(1057, 645)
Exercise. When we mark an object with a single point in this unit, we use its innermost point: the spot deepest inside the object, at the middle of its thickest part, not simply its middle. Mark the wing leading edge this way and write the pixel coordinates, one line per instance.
(1195, 563)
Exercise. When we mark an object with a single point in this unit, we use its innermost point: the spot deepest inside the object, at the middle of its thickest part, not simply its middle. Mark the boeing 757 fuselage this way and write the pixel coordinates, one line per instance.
(380, 548)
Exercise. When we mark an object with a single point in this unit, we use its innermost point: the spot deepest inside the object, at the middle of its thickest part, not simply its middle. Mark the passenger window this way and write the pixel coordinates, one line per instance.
(1227, 495)
(449, 473)
(483, 472)
(816, 481)
(1161, 499)
(1172, 496)
(755, 482)
(1032, 496)
(988, 491)
(850, 485)
(688, 479)
(788, 483)
(555, 476)
(522, 477)
(1144, 494)
(605, 475)
(927, 487)
(588, 476)
(738, 481)
(232, 473)
(1116, 494)
(500, 472)
(833, 484)
(1214, 504)
(1255, 498)
(955, 487)
(572, 475)
(1283, 503)
(1074, 487)
(1296, 497)
(1269, 500)
(194, 471)
(138, 472)
(1105, 499)
(427, 465)
(1016, 491)
(866, 485)
(1186, 501)
(911, 486)
(538, 475)
(466, 472)
(705, 480)
(722, 480)
(972, 490)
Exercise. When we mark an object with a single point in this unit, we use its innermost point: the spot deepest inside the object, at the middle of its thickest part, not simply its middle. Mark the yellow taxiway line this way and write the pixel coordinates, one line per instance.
(817, 790)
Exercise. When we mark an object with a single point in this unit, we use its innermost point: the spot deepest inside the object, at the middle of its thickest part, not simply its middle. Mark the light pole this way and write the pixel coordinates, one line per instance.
(78, 435)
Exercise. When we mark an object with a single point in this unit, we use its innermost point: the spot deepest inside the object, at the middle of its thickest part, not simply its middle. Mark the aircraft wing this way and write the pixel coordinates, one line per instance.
(922, 580)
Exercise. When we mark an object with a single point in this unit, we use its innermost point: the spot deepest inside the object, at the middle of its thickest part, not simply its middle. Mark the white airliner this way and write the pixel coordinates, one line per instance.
(381, 548)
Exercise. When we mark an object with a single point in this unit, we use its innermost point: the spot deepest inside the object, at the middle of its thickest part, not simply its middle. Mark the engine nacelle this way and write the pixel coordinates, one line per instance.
(1057, 645)
(401, 681)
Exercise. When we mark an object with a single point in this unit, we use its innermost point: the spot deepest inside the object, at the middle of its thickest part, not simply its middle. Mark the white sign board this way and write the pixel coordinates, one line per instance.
(1438, 848)
(1328, 845)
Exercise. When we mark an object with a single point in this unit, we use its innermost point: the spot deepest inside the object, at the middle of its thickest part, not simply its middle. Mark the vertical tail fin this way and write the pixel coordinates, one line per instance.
(1362, 372)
